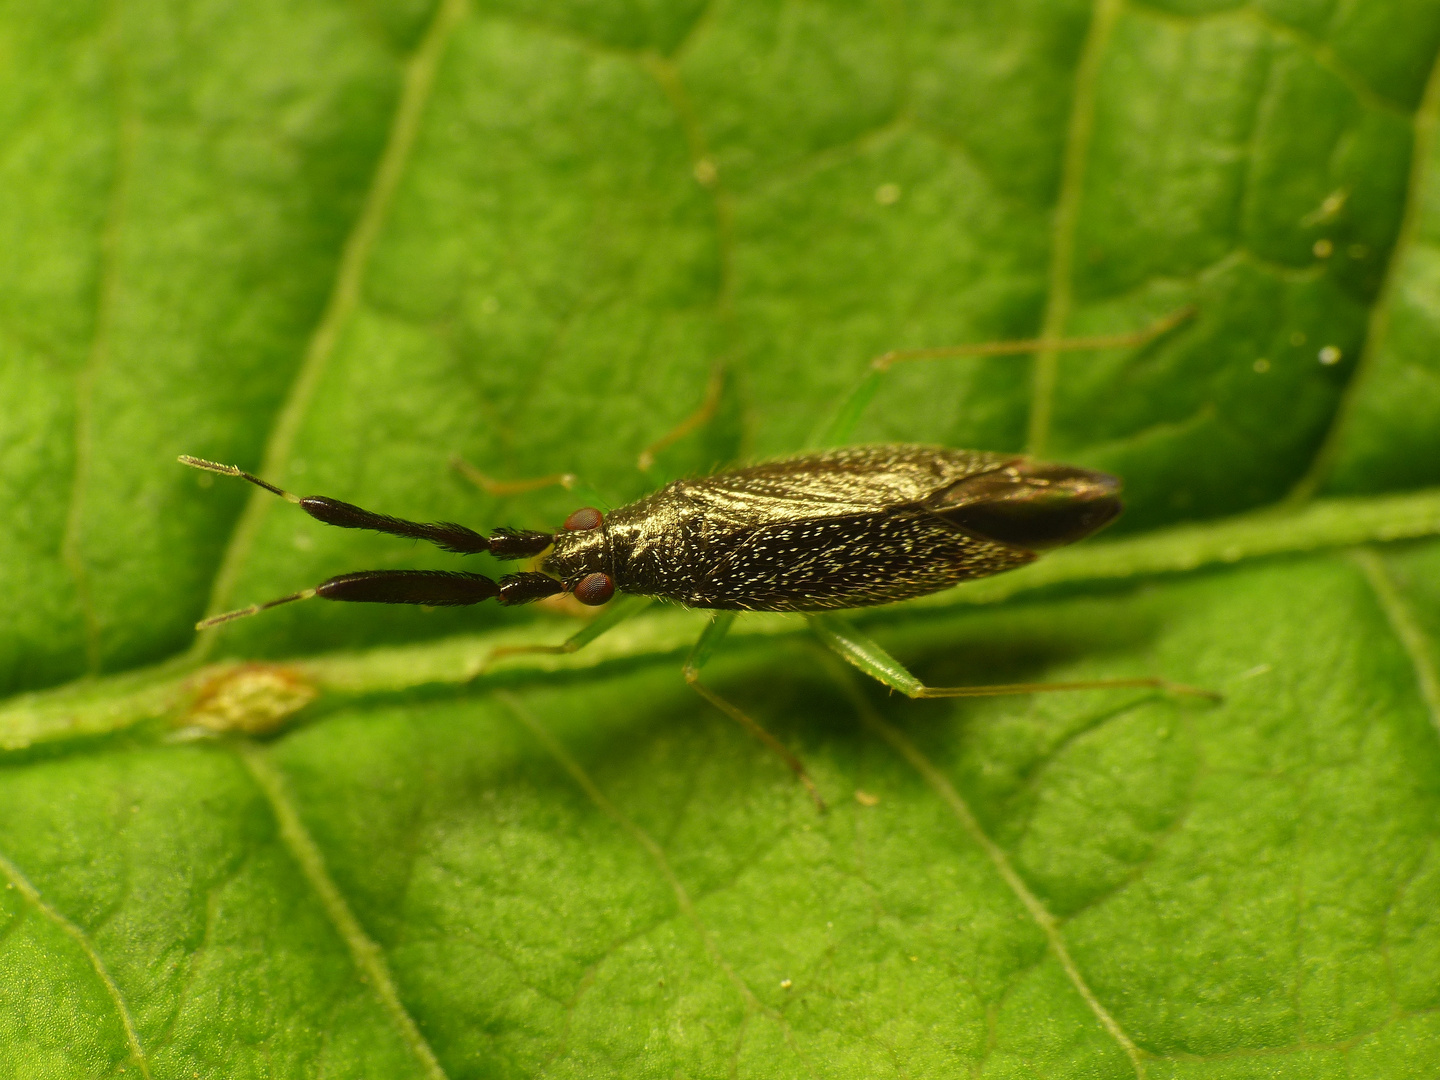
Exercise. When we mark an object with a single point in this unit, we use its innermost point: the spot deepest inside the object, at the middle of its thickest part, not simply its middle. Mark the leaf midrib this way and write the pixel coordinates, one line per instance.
(100, 706)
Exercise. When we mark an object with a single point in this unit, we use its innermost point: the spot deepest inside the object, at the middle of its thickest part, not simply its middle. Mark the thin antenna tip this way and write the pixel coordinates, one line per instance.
(208, 466)
(253, 609)
(216, 620)
(235, 470)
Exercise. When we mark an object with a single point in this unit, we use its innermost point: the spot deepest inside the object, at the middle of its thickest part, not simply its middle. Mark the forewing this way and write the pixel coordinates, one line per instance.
(852, 482)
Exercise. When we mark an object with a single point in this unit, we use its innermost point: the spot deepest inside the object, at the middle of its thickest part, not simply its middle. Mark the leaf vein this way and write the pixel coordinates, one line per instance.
(1059, 296)
(1042, 917)
(1326, 57)
(1425, 121)
(367, 956)
(417, 84)
(694, 32)
(667, 75)
(1406, 628)
(26, 889)
(655, 851)
(72, 543)
(1161, 837)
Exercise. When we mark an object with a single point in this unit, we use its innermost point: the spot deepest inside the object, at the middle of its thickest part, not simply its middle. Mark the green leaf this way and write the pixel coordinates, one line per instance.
(339, 244)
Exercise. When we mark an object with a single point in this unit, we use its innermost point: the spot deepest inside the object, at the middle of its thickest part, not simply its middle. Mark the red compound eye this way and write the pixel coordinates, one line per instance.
(594, 589)
(587, 517)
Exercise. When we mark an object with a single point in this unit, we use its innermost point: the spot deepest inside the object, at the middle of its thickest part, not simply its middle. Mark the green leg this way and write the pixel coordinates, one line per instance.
(847, 642)
(841, 427)
(719, 626)
(616, 612)
(714, 392)
(839, 430)
(585, 494)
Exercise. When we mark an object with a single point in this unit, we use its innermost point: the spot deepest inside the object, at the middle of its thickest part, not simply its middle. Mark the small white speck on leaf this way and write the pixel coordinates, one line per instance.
(1331, 205)
(1323, 248)
(1330, 354)
(785, 984)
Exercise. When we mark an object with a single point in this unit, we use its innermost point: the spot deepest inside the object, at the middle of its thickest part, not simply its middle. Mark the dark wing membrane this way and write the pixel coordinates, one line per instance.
(834, 483)
(844, 562)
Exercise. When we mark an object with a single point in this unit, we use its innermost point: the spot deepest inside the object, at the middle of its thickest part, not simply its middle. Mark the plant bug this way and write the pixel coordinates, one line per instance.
(825, 531)
(814, 533)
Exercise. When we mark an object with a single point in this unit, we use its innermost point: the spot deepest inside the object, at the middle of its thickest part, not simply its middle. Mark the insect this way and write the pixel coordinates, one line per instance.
(814, 533)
